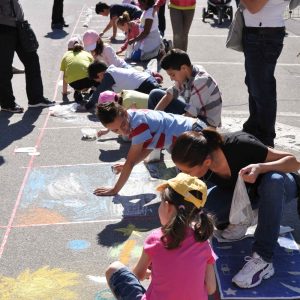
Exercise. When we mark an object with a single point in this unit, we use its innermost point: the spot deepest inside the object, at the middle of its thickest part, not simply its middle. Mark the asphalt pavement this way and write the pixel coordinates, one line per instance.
(56, 237)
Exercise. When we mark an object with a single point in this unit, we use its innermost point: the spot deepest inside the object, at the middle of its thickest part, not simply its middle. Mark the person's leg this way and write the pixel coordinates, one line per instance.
(57, 12)
(123, 283)
(34, 84)
(176, 106)
(154, 97)
(219, 203)
(148, 85)
(274, 190)
(188, 16)
(177, 27)
(261, 53)
(162, 20)
(8, 36)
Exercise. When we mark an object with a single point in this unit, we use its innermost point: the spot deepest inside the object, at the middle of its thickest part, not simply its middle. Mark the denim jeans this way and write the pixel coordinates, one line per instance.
(262, 47)
(274, 190)
(176, 106)
(34, 85)
(148, 85)
(125, 285)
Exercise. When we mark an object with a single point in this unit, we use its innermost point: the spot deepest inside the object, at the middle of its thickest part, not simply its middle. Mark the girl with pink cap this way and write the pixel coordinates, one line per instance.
(101, 51)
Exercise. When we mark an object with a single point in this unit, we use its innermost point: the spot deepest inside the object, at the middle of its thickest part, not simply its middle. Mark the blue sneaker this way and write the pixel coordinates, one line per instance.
(253, 272)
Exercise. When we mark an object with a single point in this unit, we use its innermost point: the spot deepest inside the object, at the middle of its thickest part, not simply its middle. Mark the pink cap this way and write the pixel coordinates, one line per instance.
(107, 96)
(90, 38)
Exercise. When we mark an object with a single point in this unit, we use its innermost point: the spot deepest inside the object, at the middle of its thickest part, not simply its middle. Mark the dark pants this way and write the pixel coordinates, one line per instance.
(262, 47)
(34, 85)
(148, 85)
(57, 12)
(162, 20)
(176, 106)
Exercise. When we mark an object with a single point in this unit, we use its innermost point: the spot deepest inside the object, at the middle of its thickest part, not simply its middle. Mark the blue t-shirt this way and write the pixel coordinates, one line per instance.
(157, 129)
(116, 10)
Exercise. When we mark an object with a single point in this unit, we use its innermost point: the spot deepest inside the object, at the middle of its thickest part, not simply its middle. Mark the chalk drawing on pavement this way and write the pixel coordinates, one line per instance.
(44, 283)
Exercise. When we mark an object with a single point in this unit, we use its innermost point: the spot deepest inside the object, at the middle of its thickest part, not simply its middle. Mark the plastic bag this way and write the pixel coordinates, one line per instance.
(241, 211)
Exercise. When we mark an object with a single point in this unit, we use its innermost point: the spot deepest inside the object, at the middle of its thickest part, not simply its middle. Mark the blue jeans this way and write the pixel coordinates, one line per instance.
(274, 190)
(262, 47)
(175, 107)
(125, 285)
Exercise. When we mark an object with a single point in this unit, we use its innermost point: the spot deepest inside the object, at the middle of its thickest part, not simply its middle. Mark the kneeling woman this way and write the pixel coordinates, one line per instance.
(219, 159)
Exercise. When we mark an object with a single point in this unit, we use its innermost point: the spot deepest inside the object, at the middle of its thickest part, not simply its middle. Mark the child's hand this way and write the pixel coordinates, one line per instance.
(148, 274)
(118, 168)
(104, 191)
(250, 173)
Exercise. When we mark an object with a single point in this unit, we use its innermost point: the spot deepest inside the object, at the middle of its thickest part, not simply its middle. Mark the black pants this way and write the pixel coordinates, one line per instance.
(57, 12)
(34, 85)
(162, 20)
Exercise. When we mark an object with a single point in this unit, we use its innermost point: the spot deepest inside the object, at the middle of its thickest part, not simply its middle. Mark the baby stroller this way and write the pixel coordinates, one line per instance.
(220, 8)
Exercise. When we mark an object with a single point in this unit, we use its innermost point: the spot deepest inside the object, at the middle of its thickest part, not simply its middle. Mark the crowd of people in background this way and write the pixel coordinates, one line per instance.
(183, 119)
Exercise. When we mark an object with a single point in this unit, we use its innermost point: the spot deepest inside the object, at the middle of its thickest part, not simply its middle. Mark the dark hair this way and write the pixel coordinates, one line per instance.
(191, 148)
(124, 19)
(95, 68)
(174, 59)
(77, 47)
(99, 46)
(188, 215)
(107, 112)
(149, 3)
(100, 6)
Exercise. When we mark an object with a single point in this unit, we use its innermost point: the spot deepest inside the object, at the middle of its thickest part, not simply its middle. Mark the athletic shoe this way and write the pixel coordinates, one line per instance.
(17, 70)
(253, 272)
(234, 232)
(42, 103)
(16, 109)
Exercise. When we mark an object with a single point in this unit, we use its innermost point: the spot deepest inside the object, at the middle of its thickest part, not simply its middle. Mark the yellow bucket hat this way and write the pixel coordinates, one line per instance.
(183, 184)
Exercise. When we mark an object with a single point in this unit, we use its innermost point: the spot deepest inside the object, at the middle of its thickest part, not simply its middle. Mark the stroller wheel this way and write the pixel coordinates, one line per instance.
(204, 14)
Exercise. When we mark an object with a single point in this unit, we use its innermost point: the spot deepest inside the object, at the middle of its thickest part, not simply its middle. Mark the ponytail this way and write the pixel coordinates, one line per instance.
(109, 111)
(191, 148)
(203, 225)
(77, 47)
(123, 19)
(99, 46)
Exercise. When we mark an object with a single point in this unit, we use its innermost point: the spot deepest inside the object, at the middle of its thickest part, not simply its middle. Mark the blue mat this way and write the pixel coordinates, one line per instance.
(285, 284)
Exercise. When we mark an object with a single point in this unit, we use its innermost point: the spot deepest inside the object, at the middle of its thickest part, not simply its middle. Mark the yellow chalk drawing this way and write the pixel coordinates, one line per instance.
(131, 229)
(45, 283)
(125, 253)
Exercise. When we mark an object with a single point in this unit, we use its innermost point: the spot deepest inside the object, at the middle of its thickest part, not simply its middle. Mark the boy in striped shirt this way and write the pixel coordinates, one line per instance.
(195, 93)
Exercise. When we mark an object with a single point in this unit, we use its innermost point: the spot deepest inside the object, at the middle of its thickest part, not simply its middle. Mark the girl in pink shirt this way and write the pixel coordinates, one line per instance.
(177, 257)
(130, 28)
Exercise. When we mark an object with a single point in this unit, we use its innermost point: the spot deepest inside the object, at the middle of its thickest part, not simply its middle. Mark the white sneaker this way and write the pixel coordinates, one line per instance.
(253, 272)
(234, 232)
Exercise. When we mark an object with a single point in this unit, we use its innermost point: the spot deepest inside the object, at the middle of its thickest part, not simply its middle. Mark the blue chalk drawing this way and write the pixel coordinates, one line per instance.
(79, 245)
(68, 190)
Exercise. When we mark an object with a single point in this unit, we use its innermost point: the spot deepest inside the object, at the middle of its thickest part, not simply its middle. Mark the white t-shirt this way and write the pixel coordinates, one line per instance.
(129, 79)
(271, 15)
(110, 57)
(148, 14)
